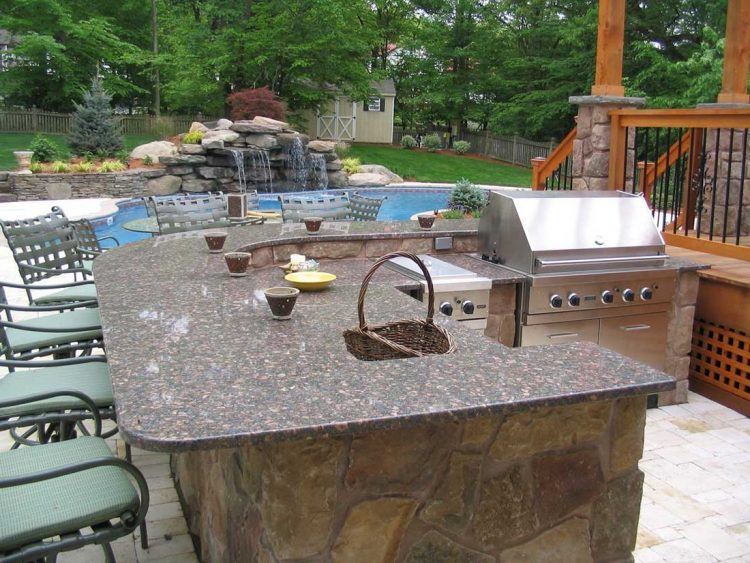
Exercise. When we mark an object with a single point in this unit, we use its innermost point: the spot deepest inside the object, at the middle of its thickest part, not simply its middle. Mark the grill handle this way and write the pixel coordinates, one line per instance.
(615, 260)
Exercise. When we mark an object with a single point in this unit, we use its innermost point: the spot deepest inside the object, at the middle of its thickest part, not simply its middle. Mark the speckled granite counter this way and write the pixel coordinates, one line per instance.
(286, 448)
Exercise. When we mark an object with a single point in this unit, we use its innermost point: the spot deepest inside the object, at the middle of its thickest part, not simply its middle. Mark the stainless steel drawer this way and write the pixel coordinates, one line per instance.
(641, 337)
(557, 333)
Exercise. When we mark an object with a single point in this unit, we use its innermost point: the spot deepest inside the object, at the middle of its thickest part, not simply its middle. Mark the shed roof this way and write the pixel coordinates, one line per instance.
(384, 86)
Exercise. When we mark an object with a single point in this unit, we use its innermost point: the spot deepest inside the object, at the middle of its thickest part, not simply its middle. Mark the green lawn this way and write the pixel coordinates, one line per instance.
(10, 142)
(430, 167)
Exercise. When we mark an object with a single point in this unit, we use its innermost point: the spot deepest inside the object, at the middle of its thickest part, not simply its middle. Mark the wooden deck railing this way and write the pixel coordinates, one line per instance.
(557, 167)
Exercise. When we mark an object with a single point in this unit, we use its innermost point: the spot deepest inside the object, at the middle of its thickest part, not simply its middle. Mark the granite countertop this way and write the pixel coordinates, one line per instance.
(197, 362)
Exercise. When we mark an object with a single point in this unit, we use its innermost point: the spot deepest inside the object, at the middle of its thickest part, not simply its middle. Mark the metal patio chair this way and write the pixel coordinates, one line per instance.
(182, 214)
(365, 208)
(89, 245)
(74, 327)
(330, 207)
(44, 247)
(62, 496)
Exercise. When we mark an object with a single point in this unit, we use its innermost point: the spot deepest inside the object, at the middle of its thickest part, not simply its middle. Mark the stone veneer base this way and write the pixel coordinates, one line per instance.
(559, 483)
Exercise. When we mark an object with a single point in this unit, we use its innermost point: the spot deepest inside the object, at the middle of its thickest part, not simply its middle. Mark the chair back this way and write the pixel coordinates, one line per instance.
(47, 241)
(179, 214)
(331, 207)
(253, 200)
(365, 208)
(86, 236)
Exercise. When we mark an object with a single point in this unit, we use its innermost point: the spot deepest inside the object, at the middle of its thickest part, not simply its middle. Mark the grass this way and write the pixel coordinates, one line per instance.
(423, 166)
(10, 142)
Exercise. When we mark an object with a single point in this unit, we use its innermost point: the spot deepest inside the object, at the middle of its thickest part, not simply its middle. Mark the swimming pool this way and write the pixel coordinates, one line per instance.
(400, 205)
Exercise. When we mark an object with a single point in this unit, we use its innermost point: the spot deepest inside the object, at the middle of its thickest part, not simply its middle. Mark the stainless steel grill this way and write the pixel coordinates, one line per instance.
(595, 267)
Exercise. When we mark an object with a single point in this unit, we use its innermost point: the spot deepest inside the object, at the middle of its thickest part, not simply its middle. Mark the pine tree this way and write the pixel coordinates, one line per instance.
(94, 129)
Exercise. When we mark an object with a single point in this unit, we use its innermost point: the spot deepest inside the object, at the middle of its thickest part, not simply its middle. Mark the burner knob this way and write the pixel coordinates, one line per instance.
(628, 295)
(646, 294)
(467, 307)
(607, 296)
(446, 308)
(556, 301)
(574, 300)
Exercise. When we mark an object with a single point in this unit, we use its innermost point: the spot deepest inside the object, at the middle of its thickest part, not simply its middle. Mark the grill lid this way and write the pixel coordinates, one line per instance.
(540, 232)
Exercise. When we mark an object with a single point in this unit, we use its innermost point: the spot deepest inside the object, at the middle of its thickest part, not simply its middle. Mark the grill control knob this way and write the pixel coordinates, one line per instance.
(574, 300)
(446, 308)
(467, 307)
(628, 295)
(646, 293)
(556, 301)
(608, 296)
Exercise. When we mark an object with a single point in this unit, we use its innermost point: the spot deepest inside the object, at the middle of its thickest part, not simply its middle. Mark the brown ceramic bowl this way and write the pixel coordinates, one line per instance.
(426, 221)
(215, 240)
(312, 224)
(281, 300)
(237, 262)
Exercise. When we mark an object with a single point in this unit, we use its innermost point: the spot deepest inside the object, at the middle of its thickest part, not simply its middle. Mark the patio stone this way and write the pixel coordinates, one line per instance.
(434, 547)
(570, 538)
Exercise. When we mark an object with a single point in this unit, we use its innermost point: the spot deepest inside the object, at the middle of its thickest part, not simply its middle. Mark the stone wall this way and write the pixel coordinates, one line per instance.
(501, 319)
(65, 186)
(549, 484)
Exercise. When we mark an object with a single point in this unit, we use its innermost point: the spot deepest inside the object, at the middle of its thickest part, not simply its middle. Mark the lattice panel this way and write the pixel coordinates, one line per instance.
(721, 357)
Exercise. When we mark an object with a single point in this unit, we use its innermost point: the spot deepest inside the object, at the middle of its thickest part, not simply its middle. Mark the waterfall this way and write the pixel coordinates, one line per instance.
(297, 163)
(239, 162)
(319, 171)
(261, 162)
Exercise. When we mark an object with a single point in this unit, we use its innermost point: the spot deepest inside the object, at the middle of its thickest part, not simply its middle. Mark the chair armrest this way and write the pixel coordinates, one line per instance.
(110, 237)
(32, 364)
(46, 286)
(19, 326)
(88, 401)
(87, 253)
(54, 271)
(45, 308)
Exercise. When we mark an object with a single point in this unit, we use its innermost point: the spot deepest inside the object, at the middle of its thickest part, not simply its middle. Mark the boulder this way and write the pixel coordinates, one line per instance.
(337, 179)
(154, 173)
(262, 141)
(246, 126)
(214, 172)
(197, 126)
(382, 170)
(223, 124)
(183, 159)
(154, 149)
(192, 149)
(166, 185)
(321, 146)
(180, 169)
(286, 139)
(215, 139)
(192, 185)
(260, 120)
(361, 179)
(334, 165)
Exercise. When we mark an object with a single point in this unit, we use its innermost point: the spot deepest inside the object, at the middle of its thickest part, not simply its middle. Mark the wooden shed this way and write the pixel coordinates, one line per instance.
(344, 119)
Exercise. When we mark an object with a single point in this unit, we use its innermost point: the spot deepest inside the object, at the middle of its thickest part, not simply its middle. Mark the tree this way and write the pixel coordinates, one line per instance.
(246, 104)
(93, 129)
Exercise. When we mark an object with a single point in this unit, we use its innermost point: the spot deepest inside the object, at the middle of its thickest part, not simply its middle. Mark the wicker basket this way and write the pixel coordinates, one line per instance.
(399, 339)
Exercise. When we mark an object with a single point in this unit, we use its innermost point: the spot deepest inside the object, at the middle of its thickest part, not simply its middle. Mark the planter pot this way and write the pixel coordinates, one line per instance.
(23, 158)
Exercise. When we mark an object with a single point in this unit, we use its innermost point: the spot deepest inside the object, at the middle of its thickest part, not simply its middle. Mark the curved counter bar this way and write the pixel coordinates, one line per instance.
(287, 447)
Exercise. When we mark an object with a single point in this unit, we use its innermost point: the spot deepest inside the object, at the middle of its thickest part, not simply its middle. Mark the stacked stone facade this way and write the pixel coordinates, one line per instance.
(522, 487)
(128, 184)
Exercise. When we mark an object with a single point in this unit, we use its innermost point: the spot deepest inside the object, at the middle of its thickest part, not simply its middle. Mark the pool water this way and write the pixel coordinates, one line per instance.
(400, 205)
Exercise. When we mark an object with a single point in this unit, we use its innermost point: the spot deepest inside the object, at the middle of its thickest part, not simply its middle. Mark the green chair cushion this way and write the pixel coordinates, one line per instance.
(88, 264)
(65, 504)
(75, 293)
(91, 378)
(25, 340)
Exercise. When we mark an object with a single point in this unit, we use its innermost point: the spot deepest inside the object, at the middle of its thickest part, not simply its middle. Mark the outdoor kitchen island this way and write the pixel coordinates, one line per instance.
(286, 447)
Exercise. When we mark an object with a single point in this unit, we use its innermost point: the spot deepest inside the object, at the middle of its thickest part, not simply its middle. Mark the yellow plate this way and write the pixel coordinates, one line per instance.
(310, 281)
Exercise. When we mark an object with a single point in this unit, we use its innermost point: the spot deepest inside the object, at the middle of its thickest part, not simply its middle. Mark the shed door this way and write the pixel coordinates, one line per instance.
(337, 127)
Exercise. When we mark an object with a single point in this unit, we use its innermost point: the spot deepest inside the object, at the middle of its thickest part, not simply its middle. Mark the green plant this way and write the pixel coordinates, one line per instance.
(193, 138)
(453, 214)
(342, 149)
(408, 142)
(461, 147)
(94, 128)
(44, 149)
(476, 214)
(36, 167)
(432, 142)
(111, 166)
(60, 167)
(148, 161)
(466, 197)
(123, 156)
(351, 165)
(89, 156)
(83, 167)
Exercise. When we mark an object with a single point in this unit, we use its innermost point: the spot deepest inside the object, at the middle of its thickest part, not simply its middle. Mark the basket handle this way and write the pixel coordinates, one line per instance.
(382, 260)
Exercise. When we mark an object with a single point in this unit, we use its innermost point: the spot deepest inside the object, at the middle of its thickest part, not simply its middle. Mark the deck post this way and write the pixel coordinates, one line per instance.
(609, 47)
(736, 54)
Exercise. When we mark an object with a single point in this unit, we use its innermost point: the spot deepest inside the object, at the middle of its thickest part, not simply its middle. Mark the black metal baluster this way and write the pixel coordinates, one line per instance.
(701, 186)
(635, 159)
(565, 173)
(678, 180)
(645, 159)
(729, 186)
(625, 164)
(742, 188)
(666, 183)
(713, 185)
(656, 180)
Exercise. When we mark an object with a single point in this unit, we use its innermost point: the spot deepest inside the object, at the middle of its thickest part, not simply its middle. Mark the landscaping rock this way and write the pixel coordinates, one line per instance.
(154, 150)
(192, 149)
(286, 139)
(192, 185)
(183, 159)
(215, 172)
(366, 179)
(321, 146)
(223, 124)
(246, 126)
(166, 185)
(216, 139)
(337, 179)
(261, 141)
(334, 165)
(260, 120)
(382, 170)
(158, 173)
(198, 126)
(180, 169)
(4, 176)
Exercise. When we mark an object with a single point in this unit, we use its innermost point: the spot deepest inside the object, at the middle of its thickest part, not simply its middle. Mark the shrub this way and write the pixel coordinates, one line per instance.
(111, 166)
(88, 156)
(148, 161)
(60, 167)
(408, 142)
(432, 142)
(466, 197)
(123, 156)
(453, 214)
(193, 138)
(94, 128)
(83, 167)
(249, 103)
(342, 149)
(351, 165)
(461, 147)
(36, 167)
(44, 149)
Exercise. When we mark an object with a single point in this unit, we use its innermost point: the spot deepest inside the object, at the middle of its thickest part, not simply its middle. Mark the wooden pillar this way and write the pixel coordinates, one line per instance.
(609, 47)
(736, 54)
(536, 182)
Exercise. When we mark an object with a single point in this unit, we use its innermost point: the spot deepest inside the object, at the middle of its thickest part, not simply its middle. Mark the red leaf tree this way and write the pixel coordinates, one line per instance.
(246, 104)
